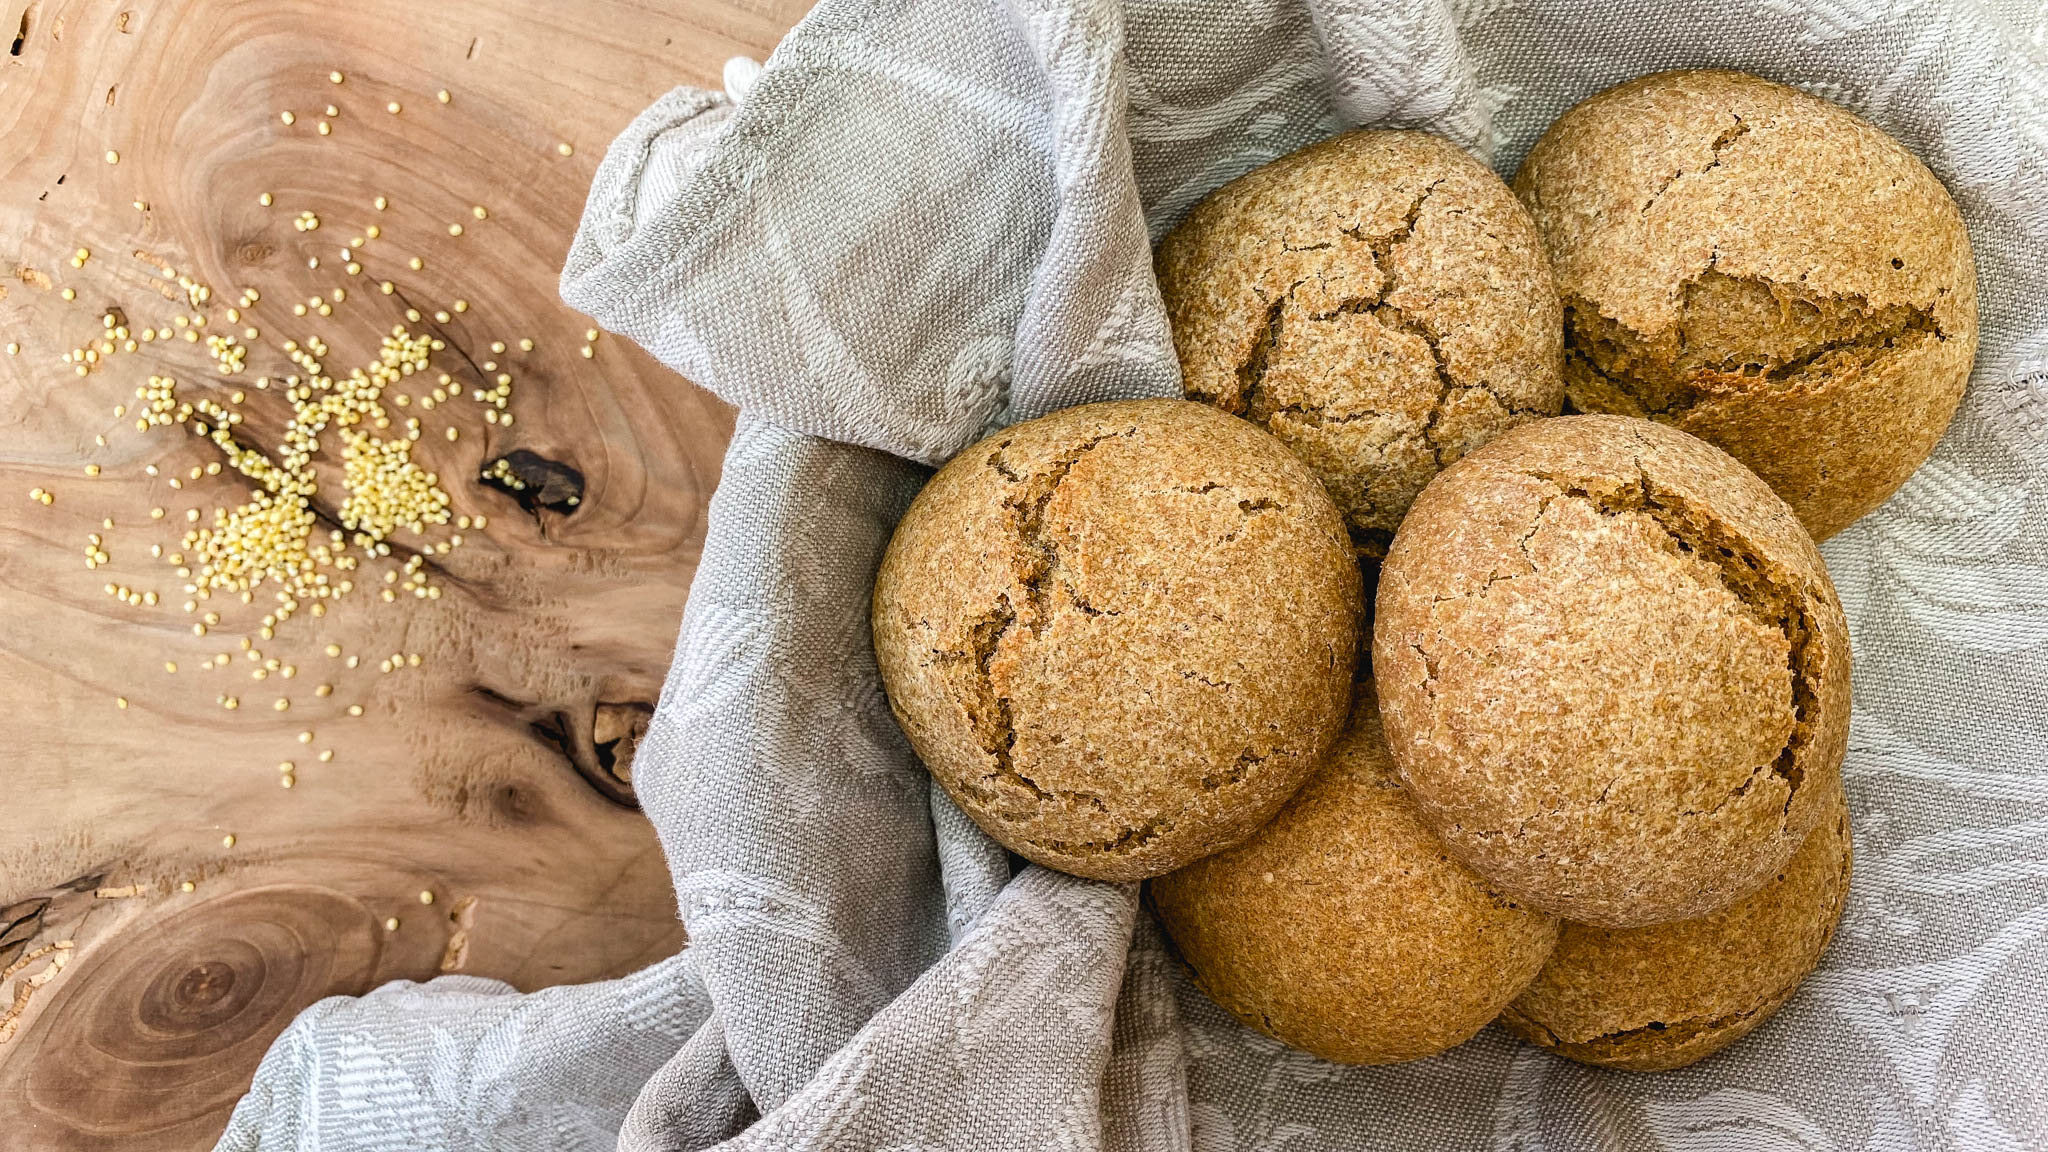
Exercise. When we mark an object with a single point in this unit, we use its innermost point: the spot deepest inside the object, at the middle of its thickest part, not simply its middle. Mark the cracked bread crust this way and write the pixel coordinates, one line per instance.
(1379, 301)
(1343, 928)
(1764, 270)
(1650, 999)
(1614, 672)
(1121, 635)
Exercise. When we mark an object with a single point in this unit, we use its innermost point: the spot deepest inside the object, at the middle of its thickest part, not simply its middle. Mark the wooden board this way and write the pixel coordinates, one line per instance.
(147, 964)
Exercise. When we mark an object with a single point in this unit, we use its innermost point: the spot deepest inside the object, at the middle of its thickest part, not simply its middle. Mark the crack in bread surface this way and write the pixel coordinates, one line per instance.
(1720, 145)
(990, 712)
(1665, 383)
(1737, 566)
(1371, 499)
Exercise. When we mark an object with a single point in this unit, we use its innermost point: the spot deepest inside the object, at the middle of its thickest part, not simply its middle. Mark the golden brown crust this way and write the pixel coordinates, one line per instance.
(1379, 301)
(1663, 997)
(1120, 636)
(1343, 928)
(1614, 672)
(1764, 270)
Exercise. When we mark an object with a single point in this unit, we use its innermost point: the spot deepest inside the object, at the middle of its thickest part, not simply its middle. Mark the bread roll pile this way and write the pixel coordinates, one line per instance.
(1579, 770)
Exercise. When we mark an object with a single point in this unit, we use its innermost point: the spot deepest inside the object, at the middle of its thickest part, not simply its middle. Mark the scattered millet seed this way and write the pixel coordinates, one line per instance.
(391, 924)
(355, 709)
(228, 841)
(455, 229)
(287, 117)
(282, 705)
(324, 128)
(333, 111)
(393, 108)
(69, 294)
(120, 702)
(588, 352)
(380, 203)
(188, 886)
(334, 77)
(287, 781)
(113, 157)
(443, 96)
(326, 755)
(566, 148)
(426, 897)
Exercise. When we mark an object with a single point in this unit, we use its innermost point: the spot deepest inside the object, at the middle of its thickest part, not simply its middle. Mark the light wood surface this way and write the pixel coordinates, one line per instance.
(496, 774)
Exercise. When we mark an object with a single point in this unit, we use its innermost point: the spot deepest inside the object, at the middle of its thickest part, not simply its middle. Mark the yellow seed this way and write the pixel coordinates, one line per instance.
(373, 231)
(68, 294)
(588, 352)
(386, 287)
(355, 709)
(326, 754)
(426, 897)
(392, 108)
(113, 157)
(92, 469)
(455, 229)
(282, 705)
(188, 886)
(334, 77)
(415, 264)
(460, 305)
(231, 703)
(525, 345)
(287, 117)
(286, 781)
(170, 666)
(324, 128)
(391, 924)
(323, 690)
(443, 96)
(380, 203)
(566, 149)
(441, 317)
(354, 268)
(228, 841)
(120, 702)
(590, 335)
(452, 433)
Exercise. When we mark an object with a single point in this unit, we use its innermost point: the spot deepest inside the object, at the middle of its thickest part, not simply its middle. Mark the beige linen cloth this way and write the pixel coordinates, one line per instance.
(929, 218)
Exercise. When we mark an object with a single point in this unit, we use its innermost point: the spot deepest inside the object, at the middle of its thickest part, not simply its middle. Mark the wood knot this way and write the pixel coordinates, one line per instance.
(535, 481)
(203, 985)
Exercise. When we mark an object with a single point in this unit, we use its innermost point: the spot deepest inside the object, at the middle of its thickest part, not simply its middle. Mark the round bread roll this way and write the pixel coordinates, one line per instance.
(1120, 636)
(1614, 673)
(1378, 301)
(1764, 270)
(1344, 929)
(1665, 996)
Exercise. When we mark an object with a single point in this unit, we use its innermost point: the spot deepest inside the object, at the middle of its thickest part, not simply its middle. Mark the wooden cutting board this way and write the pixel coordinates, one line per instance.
(145, 960)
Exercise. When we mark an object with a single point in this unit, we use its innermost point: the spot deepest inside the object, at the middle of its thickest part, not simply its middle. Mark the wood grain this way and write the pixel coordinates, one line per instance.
(496, 775)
